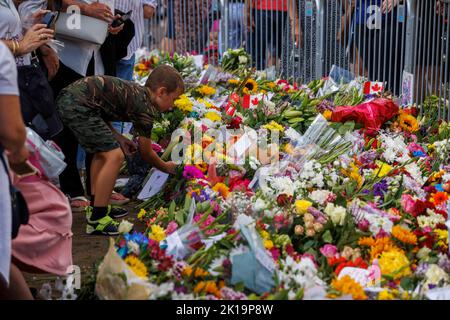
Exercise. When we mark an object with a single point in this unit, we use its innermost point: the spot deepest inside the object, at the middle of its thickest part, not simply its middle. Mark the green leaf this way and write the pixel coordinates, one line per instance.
(179, 217)
(172, 207)
(327, 237)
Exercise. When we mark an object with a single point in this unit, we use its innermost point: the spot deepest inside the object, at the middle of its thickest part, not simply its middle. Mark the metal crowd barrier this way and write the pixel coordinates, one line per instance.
(406, 48)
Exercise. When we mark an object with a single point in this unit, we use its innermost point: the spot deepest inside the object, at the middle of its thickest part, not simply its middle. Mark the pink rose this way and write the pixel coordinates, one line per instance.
(171, 227)
(408, 203)
(329, 250)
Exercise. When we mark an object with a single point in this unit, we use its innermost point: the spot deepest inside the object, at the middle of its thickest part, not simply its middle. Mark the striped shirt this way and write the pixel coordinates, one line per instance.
(138, 19)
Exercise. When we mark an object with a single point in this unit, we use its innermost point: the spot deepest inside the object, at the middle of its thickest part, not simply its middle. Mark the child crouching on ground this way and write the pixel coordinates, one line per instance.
(89, 105)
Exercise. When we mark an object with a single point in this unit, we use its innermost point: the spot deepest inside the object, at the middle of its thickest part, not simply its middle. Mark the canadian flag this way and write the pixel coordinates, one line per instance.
(373, 87)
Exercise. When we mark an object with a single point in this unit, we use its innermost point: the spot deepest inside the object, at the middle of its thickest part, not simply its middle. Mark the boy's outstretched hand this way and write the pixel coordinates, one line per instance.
(128, 146)
(171, 167)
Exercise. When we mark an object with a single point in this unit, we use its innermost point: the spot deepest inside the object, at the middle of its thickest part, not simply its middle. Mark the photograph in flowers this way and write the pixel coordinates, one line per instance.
(286, 190)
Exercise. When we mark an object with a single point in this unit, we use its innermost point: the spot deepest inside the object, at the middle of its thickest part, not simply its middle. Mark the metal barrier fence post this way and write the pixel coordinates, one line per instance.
(410, 36)
(320, 41)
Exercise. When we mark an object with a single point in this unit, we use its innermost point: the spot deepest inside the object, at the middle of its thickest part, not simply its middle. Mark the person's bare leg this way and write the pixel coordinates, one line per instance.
(106, 175)
(18, 288)
(96, 166)
(168, 45)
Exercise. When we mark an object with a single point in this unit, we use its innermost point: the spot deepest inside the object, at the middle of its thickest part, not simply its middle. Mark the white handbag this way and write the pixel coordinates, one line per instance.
(88, 30)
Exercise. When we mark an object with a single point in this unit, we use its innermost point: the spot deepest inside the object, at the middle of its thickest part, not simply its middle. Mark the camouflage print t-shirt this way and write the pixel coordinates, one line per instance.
(119, 100)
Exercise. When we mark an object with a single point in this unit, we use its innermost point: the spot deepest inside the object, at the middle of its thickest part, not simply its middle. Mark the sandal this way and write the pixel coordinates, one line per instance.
(118, 199)
(79, 204)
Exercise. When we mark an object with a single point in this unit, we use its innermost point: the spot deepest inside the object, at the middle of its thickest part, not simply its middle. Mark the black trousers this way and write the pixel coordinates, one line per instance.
(70, 179)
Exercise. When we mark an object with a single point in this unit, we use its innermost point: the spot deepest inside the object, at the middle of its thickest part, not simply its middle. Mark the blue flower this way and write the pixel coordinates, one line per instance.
(122, 252)
(419, 154)
(139, 238)
(439, 187)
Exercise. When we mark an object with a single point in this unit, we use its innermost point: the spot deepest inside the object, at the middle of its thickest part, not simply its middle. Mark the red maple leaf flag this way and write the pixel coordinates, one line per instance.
(373, 87)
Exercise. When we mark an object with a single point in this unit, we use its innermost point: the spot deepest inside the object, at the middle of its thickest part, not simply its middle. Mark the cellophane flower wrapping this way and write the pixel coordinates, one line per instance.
(372, 114)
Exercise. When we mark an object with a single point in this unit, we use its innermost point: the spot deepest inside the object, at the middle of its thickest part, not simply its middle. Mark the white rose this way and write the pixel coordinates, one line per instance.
(423, 253)
(133, 247)
(259, 205)
(336, 213)
(435, 274)
(125, 227)
(243, 59)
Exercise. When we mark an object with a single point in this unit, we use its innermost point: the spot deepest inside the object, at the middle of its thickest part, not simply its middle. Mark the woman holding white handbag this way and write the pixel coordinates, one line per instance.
(77, 60)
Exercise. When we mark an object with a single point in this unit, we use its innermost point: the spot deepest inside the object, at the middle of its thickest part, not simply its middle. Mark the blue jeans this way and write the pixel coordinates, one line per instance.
(236, 27)
(124, 70)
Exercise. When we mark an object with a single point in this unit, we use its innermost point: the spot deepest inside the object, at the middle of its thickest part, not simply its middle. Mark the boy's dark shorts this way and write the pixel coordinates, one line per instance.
(91, 131)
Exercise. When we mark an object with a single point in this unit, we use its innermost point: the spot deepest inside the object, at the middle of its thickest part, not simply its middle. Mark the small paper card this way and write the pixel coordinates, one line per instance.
(154, 184)
(293, 134)
(407, 89)
(438, 294)
(198, 61)
(242, 145)
(359, 275)
(208, 75)
(365, 277)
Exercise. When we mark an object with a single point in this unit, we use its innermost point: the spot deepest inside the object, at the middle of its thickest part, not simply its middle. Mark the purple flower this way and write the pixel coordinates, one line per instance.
(180, 289)
(229, 294)
(380, 188)
(368, 157)
(444, 262)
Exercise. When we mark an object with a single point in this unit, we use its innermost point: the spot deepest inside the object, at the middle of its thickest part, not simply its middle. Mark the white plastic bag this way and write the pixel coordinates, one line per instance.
(48, 154)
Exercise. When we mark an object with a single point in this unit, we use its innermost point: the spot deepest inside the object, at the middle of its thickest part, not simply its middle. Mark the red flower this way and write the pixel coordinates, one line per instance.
(235, 123)
(237, 184)
(284, 200)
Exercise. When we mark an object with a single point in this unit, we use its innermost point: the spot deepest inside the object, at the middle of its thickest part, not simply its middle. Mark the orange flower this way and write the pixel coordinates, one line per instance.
(199, 287)
(346, 285)
(404, 235)
(382, 245)
(222, 189)
(366, 241)
(187, 271)
(211, 288)
(199, 272)
(439, 198)
(203, 167)
(408, 122)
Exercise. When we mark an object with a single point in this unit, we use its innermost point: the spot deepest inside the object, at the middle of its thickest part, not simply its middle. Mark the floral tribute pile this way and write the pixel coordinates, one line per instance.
(345, 197)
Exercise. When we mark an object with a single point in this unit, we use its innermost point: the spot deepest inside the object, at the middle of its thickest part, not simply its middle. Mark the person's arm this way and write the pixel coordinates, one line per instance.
(12, 128)
(95, 9)
(151, 157)
(295, 23)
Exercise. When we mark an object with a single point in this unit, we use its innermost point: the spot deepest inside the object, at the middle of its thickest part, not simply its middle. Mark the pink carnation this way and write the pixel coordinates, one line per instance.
(329, 250)
(192, 172)
(171, 227)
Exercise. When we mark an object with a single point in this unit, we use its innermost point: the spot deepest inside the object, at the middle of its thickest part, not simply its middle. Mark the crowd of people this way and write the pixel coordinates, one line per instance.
(79, 94)
(373, 32)
(75, 95)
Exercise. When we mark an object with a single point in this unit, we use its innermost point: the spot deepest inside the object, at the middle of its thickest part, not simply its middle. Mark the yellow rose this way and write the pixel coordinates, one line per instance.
(302, 206)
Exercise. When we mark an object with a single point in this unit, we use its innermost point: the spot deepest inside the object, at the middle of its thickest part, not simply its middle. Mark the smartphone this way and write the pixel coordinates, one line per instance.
(123, 17)
(23, 170)
(50, 19)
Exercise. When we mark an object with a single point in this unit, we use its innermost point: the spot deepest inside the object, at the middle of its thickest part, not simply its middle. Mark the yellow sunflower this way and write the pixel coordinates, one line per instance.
(250, 87)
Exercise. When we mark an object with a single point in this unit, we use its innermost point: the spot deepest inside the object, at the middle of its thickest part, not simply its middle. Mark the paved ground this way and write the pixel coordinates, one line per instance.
(86, 250)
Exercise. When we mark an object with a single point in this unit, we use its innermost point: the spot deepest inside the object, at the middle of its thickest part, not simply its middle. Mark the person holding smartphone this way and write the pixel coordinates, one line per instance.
(77, 60)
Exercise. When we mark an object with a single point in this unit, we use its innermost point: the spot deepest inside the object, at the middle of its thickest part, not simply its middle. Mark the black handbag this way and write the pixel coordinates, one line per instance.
(19, 208)
(37, 101)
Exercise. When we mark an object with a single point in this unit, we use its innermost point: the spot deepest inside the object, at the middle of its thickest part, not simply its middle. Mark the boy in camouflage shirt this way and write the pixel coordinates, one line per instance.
(89, 105)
